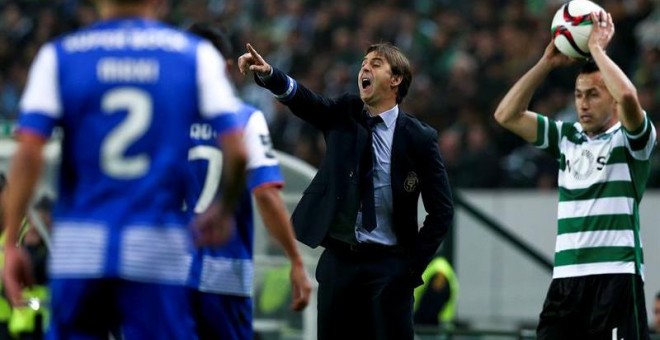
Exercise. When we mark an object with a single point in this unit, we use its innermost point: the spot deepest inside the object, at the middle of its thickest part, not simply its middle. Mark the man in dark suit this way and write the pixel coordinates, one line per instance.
(362, 204)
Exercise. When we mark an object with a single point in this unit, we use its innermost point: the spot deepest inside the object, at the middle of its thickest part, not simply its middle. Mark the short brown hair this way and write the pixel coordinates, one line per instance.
(399, 64)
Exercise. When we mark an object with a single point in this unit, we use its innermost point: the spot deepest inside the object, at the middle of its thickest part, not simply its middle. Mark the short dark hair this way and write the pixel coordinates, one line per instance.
(657, 296)
(215, 35)
(589, 67)
(399, 64)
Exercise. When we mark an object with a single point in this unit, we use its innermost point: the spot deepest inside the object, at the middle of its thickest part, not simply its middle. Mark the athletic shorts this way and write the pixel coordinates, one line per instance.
(94, 308)
(594, 307)
(225, 317)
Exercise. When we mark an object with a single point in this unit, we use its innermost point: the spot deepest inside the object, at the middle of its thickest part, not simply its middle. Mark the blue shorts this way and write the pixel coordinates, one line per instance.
(224, 317)
(93, 308)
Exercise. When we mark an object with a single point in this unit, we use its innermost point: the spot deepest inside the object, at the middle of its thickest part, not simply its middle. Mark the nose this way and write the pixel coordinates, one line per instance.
(582, 103)
(364, 67)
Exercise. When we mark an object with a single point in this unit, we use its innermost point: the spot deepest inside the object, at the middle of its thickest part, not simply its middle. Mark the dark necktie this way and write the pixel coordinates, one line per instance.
(367, 177)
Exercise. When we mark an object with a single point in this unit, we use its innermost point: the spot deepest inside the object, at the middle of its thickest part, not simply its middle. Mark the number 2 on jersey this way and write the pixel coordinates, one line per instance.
(139, 105)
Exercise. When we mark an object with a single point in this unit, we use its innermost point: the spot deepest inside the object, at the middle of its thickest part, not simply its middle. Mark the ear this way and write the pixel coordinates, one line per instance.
(395, 80)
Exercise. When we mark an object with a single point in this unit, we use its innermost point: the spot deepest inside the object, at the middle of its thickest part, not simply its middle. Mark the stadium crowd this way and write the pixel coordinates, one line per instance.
(465, 54)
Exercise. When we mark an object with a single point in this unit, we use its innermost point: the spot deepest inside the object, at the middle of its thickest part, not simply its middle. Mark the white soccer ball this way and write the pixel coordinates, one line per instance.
(571, 27)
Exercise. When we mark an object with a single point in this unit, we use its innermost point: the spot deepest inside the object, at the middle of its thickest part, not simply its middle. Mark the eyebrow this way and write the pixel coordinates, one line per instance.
(590, 89)
(373, 59)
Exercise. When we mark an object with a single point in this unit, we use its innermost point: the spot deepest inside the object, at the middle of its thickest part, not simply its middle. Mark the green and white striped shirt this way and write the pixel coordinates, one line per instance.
(601, 183)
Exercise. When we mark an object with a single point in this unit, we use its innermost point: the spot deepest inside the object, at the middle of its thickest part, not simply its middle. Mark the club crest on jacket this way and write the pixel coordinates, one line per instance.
(410, 184)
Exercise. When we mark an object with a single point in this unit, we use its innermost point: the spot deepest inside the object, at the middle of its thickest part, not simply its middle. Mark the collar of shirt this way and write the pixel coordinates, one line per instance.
(602, 135)
(389, 117)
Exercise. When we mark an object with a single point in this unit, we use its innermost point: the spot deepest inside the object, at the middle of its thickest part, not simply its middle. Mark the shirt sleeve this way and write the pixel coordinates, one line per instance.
(217, 101)
(40, 106)
(262, 166)
(548, 135)
(641, 142)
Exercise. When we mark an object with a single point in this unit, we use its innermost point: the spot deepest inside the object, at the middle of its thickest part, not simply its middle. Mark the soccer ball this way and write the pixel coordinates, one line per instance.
(571, 27)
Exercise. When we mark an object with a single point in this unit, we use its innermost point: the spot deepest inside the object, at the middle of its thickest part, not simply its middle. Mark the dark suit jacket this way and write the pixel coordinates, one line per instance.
(416, 167)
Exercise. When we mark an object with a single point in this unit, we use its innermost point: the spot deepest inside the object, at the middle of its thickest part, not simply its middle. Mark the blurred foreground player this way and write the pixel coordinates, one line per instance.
(124, 92)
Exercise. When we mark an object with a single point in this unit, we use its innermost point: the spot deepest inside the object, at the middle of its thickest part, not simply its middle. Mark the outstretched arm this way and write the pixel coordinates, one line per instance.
(276, 219)
(620, 87)
(313, 108)
(512, 112)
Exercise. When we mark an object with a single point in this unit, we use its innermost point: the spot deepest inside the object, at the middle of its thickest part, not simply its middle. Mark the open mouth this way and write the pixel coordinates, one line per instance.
(366, 83)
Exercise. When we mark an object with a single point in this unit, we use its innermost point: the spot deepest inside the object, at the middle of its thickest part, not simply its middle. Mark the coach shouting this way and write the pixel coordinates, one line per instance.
(362, 204)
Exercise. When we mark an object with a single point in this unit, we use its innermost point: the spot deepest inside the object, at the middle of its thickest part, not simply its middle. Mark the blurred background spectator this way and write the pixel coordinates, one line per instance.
(464, 55)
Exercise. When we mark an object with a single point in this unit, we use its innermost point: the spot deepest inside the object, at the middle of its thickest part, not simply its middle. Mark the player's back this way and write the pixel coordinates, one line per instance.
(128, 91)
(228, 269)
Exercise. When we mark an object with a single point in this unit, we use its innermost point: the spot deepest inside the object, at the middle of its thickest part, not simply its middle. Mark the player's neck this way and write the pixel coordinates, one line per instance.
(603, 129)
(380, 107)
(114, 11)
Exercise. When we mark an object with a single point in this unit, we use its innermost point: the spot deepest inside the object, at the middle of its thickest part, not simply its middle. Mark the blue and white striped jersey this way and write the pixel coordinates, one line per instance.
(229, 269)
(125, 93)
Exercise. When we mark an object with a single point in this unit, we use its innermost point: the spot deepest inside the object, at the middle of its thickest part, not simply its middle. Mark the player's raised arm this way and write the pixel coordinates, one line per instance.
(512, 112)
(620, 87)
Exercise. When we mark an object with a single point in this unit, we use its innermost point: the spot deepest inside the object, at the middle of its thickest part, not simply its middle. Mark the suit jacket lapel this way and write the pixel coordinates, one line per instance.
(398, 150)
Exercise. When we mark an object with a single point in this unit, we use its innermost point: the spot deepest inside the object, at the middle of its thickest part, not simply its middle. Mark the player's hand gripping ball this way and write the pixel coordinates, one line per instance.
(571, 27)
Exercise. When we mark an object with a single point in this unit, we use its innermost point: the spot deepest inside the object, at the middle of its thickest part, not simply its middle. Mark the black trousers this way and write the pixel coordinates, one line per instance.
(595, 307)
(364, 294)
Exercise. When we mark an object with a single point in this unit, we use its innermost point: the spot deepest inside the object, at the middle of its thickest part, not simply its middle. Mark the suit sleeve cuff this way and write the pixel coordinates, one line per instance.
(278, 83)
(266, 77)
